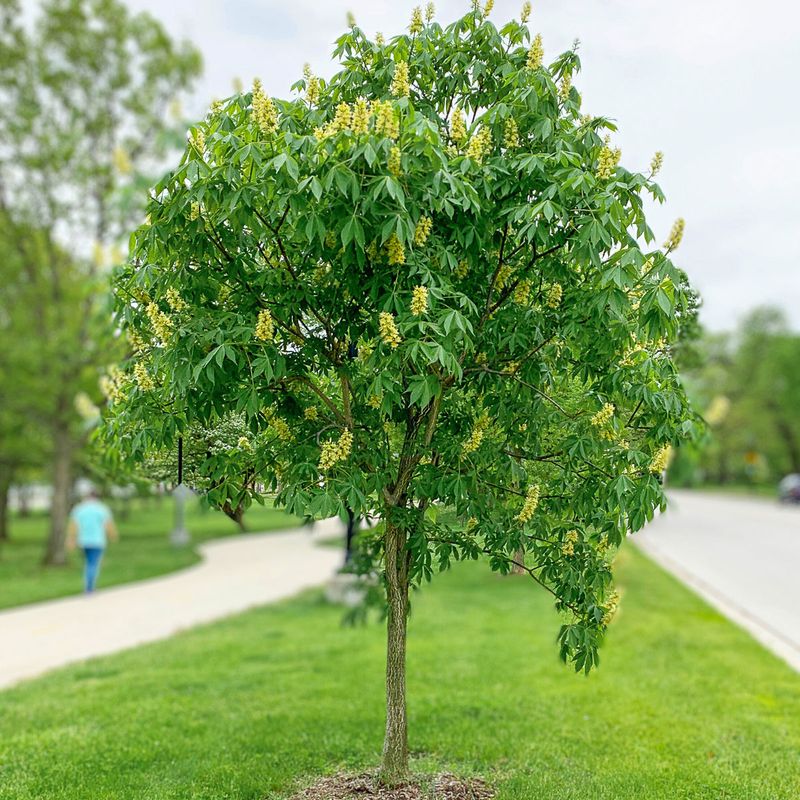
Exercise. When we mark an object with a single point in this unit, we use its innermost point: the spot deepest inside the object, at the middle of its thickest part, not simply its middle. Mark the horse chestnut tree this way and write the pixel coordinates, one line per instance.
(429, 287)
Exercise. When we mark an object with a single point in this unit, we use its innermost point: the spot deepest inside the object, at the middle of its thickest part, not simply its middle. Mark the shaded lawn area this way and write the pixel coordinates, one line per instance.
(685, 705)
(143, 550)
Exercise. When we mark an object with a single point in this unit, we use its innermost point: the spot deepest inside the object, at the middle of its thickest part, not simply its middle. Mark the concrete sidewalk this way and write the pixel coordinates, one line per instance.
(236, 573)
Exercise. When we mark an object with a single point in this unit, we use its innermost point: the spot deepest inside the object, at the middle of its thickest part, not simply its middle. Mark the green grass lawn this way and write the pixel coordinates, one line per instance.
(685, 705)
(767, 491)
(142, 551)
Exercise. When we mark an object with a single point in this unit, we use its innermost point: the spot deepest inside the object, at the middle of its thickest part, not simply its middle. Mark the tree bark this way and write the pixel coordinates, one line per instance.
(5, 487)
(790, 443)
(519, 557)
(56, 551)
(24, 498)
(236, 514)
(394, 762)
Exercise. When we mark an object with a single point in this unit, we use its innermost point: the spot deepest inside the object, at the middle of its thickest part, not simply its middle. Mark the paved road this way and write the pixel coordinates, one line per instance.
(741, 555)
(237, 573)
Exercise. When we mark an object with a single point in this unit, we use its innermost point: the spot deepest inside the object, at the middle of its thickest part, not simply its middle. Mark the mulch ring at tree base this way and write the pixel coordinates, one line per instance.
(366, 785)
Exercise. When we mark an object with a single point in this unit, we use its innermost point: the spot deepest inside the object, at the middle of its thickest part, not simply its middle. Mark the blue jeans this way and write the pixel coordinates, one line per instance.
(92, 558)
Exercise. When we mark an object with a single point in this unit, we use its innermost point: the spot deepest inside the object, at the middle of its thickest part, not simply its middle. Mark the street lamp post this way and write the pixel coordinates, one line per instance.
(180, 536)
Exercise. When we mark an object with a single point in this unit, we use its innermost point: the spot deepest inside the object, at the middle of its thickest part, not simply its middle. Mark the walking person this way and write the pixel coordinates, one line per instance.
(91, 525)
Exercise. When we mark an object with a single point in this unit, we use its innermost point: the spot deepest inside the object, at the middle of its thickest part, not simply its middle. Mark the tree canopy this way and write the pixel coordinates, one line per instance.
(429, 286)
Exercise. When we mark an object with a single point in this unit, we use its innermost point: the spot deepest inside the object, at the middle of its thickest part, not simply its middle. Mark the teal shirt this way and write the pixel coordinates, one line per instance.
(91, 517)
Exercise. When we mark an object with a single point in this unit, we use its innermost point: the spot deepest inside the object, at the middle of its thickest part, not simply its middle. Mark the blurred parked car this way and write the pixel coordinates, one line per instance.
(789, 489)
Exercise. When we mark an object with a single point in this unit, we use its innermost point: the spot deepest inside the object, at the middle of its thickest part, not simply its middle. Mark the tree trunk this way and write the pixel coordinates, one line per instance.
(790, 443)
(56, 552)
(5, 486)
(519, 558)
(24, 500)
(236, 514)
(394, 763)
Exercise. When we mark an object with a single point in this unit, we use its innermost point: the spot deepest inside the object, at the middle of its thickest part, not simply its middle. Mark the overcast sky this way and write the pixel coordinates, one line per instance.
(712, 83)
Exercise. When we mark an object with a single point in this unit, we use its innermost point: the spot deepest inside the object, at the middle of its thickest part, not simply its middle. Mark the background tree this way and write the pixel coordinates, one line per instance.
(748, 385)
(426, 285)
(22, 447)
(83, 94)
(207, 453)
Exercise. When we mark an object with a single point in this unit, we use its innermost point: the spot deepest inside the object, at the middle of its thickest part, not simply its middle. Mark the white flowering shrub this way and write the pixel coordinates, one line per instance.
(426, 283)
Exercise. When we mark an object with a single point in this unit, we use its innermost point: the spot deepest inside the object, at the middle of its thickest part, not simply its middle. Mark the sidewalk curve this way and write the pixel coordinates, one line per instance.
(236, 573)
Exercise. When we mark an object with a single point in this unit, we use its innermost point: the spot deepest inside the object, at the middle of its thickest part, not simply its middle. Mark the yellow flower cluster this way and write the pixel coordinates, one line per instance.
(656, 163)
(112, 384)
(388, 330)
(478, 432)
(422, 231)
(374, 401)
(554, 295)
(136, 342)
(400, 85)
(244, 444)
(282, 431)
(143, 378)
(458, 126)
(522, 294)
(536, 52)
(386, 122)
(122, 161)
(503, 274)
(511, 133)
(607, 161)
(264, 111)
(419, 301)
(462, 270)
(197, 139)
(342, 119)
(334, 452)
(571, 539)
(175, 301)
(675, 235)
(487, 9)
(351, 19)
(480, 145)
(85, 407)
(661, 459)
(379, 39)
(395, 250)
(610, 607)
(224, 293)
(194, 211)
(312, 90)
(717, 410)
(565, 87)
(430, 10)
(311, 412)
(525, 14)
(530, 505)
(361, 116)
(416, 21)
(160, 322)
(394, 164)
(603, 416)
(265, 327)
